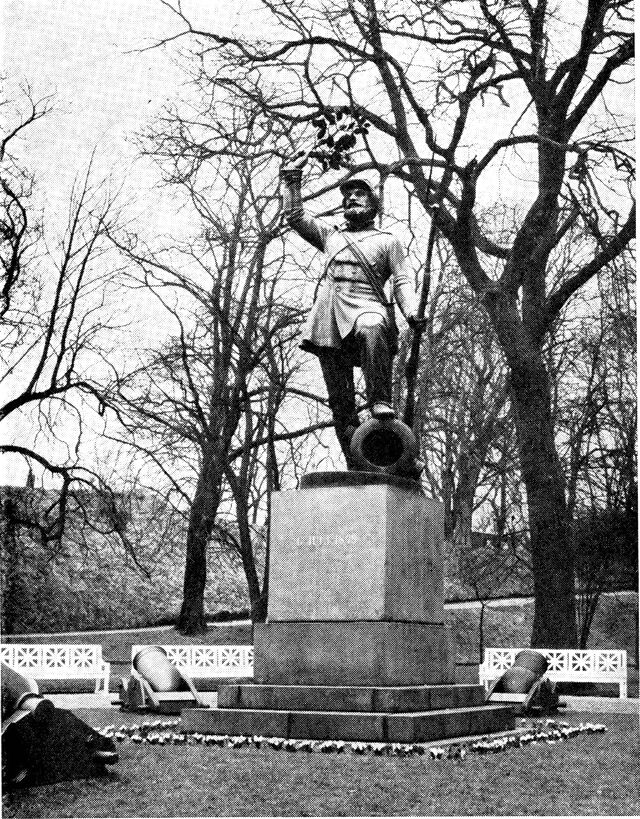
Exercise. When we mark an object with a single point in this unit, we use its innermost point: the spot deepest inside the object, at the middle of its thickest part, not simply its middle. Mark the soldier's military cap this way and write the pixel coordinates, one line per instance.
(357, 182)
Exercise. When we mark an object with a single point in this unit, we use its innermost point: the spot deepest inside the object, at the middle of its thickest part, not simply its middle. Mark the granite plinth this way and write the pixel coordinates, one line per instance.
(349, 698)
(363, 550)
(355, 646)
(422, 726)
(352, 653)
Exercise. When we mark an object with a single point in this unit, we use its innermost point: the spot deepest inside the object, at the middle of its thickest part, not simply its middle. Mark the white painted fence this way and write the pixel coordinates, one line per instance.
(225, 662)
(63, 661)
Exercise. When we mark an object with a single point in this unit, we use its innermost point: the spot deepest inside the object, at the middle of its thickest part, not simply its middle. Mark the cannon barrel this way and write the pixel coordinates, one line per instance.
(528, 667)
(42, 744)
(386, 446)
(153, 664)
(21, 694)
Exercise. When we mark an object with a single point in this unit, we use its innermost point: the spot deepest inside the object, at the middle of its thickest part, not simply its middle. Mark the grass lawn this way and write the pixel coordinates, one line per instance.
(591, 774)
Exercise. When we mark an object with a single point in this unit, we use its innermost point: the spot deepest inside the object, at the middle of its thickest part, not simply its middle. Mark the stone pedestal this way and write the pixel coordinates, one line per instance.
(352, 653)
(356, 551)
(355, 645)
(356, 587)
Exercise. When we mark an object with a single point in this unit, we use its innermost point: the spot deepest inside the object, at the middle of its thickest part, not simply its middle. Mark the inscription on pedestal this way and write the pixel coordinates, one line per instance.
(368, 552)
(330, 560)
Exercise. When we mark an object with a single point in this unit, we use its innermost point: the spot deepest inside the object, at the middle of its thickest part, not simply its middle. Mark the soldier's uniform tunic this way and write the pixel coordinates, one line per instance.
(345, 293)
(348, 324)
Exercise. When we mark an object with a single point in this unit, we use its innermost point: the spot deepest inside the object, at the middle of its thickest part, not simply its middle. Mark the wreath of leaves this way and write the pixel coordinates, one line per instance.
(337, 133)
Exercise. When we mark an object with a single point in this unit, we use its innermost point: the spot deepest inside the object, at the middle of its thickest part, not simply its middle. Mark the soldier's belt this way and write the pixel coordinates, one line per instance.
(350, 280)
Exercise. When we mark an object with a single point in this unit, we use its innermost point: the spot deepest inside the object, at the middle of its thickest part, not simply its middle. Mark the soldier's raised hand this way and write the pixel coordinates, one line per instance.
(296, 163)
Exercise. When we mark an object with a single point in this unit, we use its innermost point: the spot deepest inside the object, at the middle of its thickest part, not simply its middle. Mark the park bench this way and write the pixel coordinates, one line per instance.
(224, 662)
(62, 661)
(565, 665)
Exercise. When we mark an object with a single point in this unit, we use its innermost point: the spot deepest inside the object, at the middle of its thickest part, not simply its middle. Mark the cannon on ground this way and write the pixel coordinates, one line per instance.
(42, 744)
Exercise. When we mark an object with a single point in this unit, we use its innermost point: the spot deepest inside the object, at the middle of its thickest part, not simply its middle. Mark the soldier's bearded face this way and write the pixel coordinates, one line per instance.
(358, 207)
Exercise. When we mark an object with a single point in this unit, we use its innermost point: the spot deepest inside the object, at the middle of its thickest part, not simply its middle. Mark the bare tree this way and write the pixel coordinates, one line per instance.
(19, 223)
(56, 325)
(592, 359)
(465, 415)
(205, 407)
(430, 72)
(487, 567)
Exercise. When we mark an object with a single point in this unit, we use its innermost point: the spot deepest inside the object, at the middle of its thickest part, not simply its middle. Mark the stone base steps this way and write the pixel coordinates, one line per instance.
(374, 699)
(356, 713)
(423, 726)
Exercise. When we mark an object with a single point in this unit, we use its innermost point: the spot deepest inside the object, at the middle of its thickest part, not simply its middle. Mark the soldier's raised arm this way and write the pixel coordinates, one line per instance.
(312, 230)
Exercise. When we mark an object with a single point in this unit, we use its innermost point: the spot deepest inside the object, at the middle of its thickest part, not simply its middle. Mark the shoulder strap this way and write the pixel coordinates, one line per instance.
(370, 273)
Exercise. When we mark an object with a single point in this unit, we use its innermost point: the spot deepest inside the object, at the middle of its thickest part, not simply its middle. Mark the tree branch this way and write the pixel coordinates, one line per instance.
(557, 299)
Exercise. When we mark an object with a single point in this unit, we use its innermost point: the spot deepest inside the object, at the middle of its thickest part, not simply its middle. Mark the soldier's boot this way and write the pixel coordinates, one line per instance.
(372, 337)
(382, 411)
(338, 378)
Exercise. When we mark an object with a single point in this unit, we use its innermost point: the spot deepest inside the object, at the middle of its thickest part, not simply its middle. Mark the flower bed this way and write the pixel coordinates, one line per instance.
(163, 732)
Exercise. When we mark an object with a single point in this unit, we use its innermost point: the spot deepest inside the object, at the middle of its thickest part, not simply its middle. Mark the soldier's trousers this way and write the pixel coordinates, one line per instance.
(368, 347)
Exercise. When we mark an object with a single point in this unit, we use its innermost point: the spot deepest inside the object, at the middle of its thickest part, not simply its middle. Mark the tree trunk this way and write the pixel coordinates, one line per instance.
(462, 531)
(585, 626)
(554, 624)
(259, 611)
(201, 519)
(249, 564)
(10, 564)
(192, 619)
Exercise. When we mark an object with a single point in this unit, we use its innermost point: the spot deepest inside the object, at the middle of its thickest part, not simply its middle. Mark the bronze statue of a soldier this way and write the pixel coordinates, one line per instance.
(351, 323)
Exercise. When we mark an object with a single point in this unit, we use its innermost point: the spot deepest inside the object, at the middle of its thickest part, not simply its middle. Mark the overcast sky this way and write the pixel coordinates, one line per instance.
(88, 53)
(105, 90)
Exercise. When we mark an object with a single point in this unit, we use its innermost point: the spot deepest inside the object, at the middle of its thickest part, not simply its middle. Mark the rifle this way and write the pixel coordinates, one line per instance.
(411, 366)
